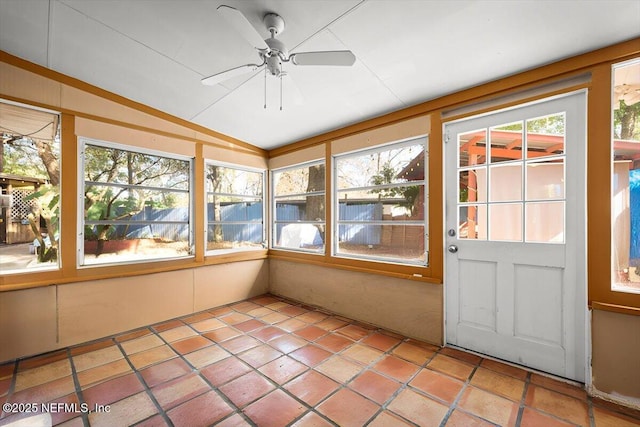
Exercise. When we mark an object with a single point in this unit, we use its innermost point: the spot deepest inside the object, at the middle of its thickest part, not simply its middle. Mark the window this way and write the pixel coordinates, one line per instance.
(380, 200)
(29, 188)
(235, 208)
(512, 188)
(299, 208)
(137, 205)
(625, 203)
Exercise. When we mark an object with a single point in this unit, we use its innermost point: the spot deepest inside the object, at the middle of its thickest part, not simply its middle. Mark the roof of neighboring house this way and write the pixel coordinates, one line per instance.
(20, 180)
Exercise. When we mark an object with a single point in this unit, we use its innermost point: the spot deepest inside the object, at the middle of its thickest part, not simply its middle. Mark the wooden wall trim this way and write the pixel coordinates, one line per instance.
(355, 265)
(436, 199)
(29, 280)
(200, 205)
(622, 309)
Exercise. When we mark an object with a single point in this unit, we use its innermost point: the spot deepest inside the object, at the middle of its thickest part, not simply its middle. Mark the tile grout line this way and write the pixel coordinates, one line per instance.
(454, 405)
(523, 402)
(11, 390)
(147, 390)
(76, 382)
(591, 412)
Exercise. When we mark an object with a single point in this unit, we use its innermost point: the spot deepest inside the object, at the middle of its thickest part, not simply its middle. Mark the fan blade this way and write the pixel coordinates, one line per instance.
(228, 74)
(242, 25)
(335, 57)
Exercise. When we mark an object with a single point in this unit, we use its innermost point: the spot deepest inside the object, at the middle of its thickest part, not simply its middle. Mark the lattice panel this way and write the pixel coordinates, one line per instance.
(21, 208)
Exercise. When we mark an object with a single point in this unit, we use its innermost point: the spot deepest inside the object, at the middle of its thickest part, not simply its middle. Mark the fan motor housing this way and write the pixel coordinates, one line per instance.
(278, 54)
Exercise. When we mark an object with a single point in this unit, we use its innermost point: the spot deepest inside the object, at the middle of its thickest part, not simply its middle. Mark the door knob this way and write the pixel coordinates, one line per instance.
(453, 249)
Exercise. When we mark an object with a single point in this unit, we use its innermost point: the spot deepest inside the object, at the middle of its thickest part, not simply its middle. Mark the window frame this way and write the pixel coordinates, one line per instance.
(422, 140)
(263, 198)
(273, 203)
(599, 181)
(617, 287)
(82, 143)
(57, 266)
(524, 163)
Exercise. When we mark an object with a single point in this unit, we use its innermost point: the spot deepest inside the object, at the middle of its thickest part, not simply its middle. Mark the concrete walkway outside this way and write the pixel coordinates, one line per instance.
(16, 257)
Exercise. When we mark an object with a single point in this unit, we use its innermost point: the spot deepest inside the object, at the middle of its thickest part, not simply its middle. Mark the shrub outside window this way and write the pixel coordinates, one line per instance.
(380, 198)
(235, 208)
(625, 203)
(29, 188)
(137, 204)
(299, 207)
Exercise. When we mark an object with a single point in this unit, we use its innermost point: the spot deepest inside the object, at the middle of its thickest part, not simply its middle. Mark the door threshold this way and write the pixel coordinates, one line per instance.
(515, 365)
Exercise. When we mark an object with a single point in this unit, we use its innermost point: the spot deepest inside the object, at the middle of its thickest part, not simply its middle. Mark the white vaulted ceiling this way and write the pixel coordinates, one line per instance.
(157, 51)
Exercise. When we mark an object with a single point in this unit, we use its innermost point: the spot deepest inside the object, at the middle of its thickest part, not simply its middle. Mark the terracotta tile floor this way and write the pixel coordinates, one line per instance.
(273, 362)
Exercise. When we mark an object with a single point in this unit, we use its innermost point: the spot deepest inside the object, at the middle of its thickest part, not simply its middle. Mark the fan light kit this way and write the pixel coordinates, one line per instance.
(272, 52)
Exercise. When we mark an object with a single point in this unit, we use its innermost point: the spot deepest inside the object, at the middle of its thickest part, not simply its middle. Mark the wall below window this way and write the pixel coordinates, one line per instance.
(616, 355)
(411, 308)
(42, 319)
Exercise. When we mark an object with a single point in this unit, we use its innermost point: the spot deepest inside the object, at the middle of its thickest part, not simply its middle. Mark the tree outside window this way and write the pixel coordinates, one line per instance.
(299, 207)
(235, 208)
(381, 204)
(137, 205)
(30, 185)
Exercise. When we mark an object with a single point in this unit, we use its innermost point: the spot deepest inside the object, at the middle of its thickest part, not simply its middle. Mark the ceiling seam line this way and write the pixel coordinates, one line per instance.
(364, 64)
(193, 117)
(49, 17)
(341, 16)
(136, 41)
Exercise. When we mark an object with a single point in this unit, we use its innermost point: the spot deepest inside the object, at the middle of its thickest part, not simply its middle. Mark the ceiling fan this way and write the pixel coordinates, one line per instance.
(272, 52)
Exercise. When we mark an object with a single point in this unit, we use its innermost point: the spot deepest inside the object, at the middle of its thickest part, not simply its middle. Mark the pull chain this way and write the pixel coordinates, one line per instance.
(265, 88)
(281, 75)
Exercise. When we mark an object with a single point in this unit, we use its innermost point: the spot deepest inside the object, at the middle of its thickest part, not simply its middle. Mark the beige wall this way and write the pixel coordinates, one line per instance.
(409, 307)
(317, 152)
(411, 128)
(616, 355)
(42, 319)
(28, 322)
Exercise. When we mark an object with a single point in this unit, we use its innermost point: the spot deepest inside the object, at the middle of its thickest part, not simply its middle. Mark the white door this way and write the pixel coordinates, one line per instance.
(515, 234)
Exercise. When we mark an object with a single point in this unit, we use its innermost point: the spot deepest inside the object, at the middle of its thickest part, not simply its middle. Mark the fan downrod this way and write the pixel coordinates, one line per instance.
(274, 23)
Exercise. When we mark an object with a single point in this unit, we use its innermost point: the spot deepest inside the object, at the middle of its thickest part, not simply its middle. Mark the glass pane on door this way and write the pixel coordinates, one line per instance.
(472, 148)
(473, 185)
(545, 179)
(505, 183)
(545, 136)
(506, 142)
(505, 222)
(472, 222)
(544, 222)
